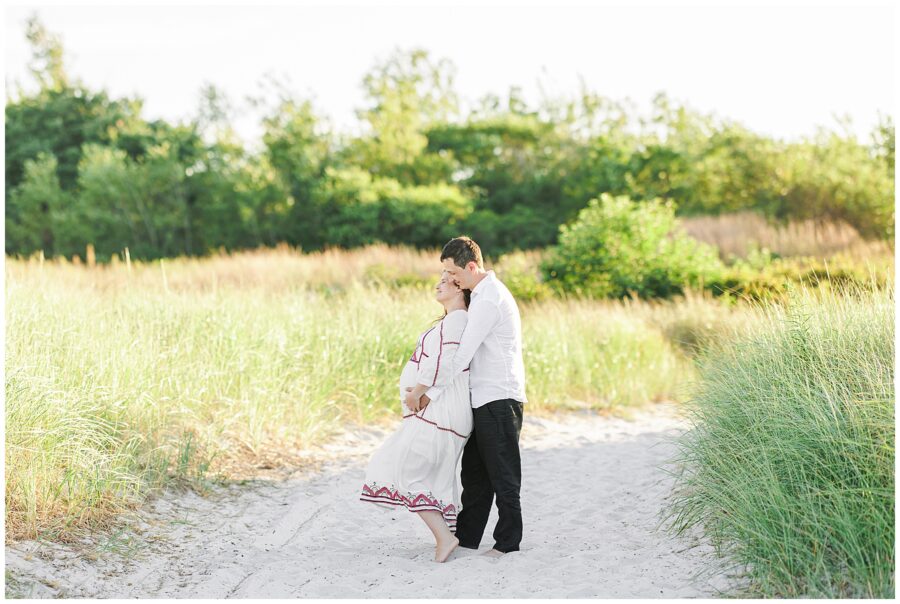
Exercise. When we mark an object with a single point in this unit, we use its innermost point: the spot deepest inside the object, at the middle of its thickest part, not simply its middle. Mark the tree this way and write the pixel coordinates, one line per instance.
(47, 64)
(34, 207)
(60, 118)
(408, 93)
(883, 141)
(300, 154)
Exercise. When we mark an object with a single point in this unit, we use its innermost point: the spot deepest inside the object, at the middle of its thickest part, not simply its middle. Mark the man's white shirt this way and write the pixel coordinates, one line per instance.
(491, 346)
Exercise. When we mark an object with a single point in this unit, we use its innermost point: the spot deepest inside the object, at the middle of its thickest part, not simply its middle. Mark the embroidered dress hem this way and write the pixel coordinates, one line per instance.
(419, 502)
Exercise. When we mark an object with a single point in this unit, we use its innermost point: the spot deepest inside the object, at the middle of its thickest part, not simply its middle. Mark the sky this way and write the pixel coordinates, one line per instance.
(780, 70)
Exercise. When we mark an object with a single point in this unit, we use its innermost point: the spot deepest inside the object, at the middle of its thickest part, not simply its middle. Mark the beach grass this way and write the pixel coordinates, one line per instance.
(123, 379)
(790, 465)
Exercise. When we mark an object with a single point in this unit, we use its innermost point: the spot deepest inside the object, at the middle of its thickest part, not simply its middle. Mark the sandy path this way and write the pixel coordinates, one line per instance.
(591, 494)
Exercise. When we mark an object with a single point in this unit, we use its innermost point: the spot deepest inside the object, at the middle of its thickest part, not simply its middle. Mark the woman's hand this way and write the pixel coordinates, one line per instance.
(412, 401)
(416, 399)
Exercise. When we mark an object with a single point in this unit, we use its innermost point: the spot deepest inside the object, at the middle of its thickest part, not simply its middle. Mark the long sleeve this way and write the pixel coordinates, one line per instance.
(483, 316)
(441, 347)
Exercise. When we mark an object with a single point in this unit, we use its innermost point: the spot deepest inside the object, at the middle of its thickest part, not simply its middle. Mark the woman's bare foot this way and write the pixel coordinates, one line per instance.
(443, 550)
(493, 553)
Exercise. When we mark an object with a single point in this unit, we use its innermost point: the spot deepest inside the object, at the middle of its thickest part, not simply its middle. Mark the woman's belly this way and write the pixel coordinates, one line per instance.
(408, 378)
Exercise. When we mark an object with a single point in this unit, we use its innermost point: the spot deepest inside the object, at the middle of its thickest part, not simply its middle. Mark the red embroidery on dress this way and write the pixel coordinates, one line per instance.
(434, 424)
(389, 499)
(420, 501)
(440, 351)
(416, 501)
(421, 343)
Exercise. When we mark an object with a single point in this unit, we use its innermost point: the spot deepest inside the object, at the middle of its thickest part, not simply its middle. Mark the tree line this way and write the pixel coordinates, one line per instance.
(82, 167)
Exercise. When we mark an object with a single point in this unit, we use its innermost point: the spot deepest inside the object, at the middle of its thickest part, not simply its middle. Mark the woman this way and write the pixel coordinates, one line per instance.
(416, 466)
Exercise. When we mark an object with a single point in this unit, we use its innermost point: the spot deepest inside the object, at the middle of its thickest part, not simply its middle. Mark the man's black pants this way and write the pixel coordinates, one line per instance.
(491, 466)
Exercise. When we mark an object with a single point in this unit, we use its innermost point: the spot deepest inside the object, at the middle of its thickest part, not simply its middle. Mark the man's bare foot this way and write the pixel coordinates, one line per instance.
(443, 550)
(493, 553)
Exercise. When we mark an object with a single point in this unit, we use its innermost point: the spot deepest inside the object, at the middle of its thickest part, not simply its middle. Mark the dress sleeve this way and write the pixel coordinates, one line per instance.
(441, 344)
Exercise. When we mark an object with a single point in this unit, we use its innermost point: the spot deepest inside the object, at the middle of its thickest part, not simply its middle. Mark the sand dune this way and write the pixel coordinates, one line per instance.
(592, 491)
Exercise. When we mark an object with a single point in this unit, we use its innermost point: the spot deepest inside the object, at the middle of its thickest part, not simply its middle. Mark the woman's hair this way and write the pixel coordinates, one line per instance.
(467, 297)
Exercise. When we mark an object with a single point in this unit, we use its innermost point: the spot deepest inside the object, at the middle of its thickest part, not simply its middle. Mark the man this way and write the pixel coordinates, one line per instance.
(492, 343)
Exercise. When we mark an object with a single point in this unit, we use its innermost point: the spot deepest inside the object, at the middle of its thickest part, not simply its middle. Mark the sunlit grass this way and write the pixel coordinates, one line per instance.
(737, 233)
(791, 466)
(601, 354)
(124, 378)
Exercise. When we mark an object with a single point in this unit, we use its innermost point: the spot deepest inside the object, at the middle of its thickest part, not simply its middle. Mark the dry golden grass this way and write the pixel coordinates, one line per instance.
(279, 269)
(737, 233)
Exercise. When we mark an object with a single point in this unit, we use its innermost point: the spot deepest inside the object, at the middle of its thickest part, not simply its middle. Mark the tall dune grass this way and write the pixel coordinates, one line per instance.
(599, 354)
(121, 379)
(790, 467)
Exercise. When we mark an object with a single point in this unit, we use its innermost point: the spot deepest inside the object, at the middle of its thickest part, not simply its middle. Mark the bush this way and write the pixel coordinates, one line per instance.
(763, 276)
(520, 272)
(617, 246)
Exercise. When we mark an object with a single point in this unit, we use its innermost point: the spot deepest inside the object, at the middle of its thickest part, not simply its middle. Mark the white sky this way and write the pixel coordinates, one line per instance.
(779, 70)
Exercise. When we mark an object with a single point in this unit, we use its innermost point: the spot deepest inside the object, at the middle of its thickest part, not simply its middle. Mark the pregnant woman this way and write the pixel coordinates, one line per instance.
(416, 466)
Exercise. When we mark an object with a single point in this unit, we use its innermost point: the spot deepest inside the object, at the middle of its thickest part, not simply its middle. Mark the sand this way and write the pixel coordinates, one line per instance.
(593, 488)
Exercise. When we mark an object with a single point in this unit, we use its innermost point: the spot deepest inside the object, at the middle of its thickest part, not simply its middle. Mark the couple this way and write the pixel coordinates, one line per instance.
(452, 408)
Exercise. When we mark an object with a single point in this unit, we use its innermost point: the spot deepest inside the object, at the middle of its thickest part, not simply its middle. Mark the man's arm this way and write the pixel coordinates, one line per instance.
(483, 316)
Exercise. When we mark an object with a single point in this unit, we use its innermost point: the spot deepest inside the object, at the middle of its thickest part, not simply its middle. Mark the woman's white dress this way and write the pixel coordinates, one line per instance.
(416, 466)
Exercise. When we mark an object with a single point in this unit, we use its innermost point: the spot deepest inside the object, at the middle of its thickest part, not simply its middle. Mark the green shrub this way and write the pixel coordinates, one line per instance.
(762, 276)
(617, 246)
(520, 272)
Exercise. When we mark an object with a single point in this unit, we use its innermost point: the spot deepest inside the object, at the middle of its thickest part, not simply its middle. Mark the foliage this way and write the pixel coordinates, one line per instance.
(764, 276)
(408, 93)
(510, 172)
(520, 272)
(35, 207)
(790, 469)
(618, 246)
(361, 210)
(835, 178)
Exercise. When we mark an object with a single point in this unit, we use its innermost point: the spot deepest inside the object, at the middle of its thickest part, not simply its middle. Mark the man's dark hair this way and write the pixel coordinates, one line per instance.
(463, 251)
